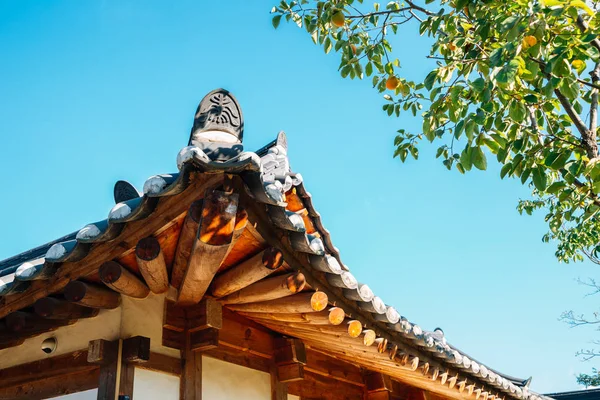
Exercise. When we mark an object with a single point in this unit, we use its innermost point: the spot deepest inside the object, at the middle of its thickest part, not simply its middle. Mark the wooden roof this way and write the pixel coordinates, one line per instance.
(263, 213)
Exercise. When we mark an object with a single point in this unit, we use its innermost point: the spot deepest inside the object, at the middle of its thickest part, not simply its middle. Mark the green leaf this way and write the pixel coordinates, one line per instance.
(276, 20)
(327, 45)
(430, 79)
(539, 178)
(465, 158)
(478, 158)
(505, 169)
(477, 85)
(555, 187)
(560, 161)
(508, 73)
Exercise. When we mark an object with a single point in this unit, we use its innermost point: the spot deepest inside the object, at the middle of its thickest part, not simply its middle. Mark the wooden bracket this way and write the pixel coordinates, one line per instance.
(201, 322)
(136, 349)
(290, 359)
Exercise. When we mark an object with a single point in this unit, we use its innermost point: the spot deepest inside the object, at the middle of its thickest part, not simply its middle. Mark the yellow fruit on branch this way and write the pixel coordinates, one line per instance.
(392, 82)
(338, 19)
(529, 41)
(451, 46)
(578, 64)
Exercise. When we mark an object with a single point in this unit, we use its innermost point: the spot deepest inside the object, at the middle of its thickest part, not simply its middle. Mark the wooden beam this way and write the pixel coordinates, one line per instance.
(34, 371)
(118, 278)
(211, 245)
(151, 262)
(53, 386)
(162, 363)
(91, 295)
(299, 303)
(314, 386)
(185, 243)
(52, 308)
(21, 323)
(325, 364)
(268, 289)
(241, 220)
(247, 272)
(324, 317)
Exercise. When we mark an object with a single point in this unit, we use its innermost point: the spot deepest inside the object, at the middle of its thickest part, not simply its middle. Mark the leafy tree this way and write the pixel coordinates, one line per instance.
(516, 81)
(589, 380)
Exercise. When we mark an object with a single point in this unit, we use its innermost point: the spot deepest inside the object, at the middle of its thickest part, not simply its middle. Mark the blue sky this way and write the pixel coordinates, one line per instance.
(96, 91)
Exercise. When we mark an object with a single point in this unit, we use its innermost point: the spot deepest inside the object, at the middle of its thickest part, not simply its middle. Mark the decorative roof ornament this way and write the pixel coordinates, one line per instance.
(218, 127)
(124, 191)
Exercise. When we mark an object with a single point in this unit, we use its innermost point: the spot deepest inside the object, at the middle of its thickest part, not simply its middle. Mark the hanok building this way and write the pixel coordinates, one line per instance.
(218, 282)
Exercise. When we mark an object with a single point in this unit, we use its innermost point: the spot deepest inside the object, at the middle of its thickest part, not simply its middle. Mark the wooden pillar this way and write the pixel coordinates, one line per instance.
(106, 354)
(202, 323)
(191, 378)
(278, 388)
(117, 361)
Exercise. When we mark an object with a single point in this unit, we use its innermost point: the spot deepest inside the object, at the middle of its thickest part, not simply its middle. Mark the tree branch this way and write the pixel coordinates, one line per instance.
(595, 74)
(583, 26)
(588, 138)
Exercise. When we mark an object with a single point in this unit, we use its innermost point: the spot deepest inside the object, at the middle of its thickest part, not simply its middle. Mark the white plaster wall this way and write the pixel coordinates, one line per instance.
(87, 395)
(225, 381)
(106, 325)
(144, 317)
(151, 385)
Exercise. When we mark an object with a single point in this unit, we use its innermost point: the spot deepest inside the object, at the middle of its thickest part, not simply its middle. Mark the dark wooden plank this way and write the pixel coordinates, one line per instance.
(53, 386)
(37, 370)
(162, 363)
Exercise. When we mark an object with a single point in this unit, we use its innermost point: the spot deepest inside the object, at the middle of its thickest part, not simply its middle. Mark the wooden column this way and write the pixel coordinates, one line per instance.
(191, 378)
(117, 361)
(278, 388)
(201, 324)
(106, 354)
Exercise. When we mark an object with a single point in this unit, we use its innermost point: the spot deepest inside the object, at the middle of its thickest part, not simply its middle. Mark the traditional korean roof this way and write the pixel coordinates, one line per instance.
(280, 196)
(589, 394)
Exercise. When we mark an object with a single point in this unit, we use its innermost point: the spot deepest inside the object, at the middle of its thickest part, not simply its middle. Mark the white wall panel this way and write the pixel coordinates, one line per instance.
(150, 385)
(226, 381)
(87, 395)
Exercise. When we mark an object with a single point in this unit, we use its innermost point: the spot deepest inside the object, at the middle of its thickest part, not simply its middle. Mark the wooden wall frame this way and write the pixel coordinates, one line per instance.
(50, 377)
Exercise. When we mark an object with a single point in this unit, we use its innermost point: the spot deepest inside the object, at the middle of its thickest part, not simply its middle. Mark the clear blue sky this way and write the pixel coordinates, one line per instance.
(96, 91)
